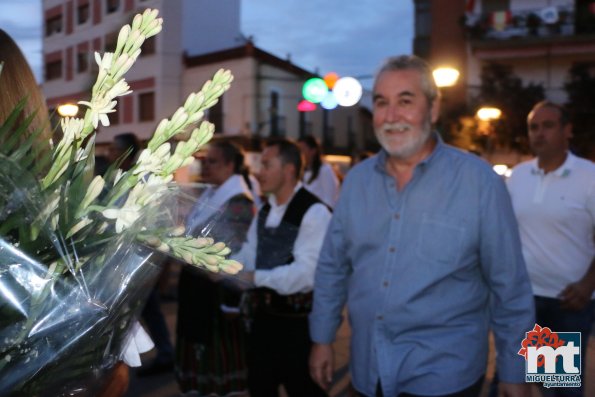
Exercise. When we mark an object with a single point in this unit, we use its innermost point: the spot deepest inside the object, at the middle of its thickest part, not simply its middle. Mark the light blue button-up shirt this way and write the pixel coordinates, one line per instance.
(426, 272)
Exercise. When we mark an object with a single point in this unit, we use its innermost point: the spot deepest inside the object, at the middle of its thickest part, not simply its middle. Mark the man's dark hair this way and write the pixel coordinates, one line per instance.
(289, 153)
(564, 116)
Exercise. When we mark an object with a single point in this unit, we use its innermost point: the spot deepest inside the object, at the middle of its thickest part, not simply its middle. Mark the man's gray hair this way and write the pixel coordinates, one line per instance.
(412, 62)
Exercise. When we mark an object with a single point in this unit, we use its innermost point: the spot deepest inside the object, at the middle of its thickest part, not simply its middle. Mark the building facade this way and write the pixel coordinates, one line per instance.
(198, 37)
(540, 39)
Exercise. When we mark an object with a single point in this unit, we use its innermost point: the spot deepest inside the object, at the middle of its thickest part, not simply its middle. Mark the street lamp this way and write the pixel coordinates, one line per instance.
(68, 110)
(445, 76)
(488, 113)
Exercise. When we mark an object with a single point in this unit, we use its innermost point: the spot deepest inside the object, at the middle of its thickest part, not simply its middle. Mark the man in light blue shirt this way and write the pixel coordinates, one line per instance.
(424, 248)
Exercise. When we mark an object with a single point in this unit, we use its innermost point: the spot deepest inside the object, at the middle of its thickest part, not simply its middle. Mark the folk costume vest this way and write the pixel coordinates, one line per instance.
(275, 248)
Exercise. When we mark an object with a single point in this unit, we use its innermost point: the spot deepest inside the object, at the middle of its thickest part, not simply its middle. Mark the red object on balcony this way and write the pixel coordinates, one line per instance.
(500, 19)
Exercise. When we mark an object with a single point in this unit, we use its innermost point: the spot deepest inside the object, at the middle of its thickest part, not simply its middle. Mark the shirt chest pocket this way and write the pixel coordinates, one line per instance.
(440, 239)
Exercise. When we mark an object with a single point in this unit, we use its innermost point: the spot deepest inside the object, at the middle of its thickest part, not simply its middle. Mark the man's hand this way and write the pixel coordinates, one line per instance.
(321, 364)
(242, 281)
(577, 295)
(514, 389)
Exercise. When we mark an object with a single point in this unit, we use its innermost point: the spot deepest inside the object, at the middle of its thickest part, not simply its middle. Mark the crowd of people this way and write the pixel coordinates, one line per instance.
(427, 248)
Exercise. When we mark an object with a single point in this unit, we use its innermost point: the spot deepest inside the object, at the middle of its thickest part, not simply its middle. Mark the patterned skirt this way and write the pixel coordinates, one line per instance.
(210, 347)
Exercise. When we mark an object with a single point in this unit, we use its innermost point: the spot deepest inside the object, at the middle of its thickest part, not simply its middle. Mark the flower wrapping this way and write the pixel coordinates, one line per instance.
(79, 253)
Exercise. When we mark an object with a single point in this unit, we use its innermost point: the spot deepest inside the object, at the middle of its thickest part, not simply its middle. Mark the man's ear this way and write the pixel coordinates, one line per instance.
(435, 110)
(568, 131)
(229, 167)
(289, 171)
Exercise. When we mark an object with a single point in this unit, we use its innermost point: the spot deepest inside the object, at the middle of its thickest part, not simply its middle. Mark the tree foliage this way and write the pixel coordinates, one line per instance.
(580, 87)
(501, 88)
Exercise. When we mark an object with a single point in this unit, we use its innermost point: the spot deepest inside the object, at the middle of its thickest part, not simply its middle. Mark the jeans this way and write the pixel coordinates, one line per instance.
(548, 313)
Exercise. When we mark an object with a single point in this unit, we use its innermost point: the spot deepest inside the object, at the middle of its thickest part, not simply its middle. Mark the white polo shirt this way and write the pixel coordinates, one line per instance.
(556, 216)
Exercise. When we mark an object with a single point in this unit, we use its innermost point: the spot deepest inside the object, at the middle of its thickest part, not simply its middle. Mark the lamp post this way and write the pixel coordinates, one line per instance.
(445, 76)
(68, 110)
(488, 113)
(464, 134)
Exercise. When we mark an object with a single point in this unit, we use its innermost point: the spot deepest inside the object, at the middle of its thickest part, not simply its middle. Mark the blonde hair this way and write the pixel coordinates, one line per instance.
(17, 82)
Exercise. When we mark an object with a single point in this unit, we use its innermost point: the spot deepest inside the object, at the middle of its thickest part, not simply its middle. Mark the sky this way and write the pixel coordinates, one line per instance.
(350, 38)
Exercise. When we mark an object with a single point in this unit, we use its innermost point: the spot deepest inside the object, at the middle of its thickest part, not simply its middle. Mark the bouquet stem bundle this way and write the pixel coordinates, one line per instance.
(75, 248)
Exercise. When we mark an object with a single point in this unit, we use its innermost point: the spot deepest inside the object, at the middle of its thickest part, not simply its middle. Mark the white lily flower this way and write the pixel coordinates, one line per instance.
(100, 106)
(119, 174)
(124, 217)
(80, 155)
(93, 191)
(104, 63)
(71, 129)
(81, 224)
(152, 189)
(152, 162)
(119, 89)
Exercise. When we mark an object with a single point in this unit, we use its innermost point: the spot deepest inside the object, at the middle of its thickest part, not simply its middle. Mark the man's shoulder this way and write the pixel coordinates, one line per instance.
(523, 168)
(458, 160)
(362, 170)
(585, 166)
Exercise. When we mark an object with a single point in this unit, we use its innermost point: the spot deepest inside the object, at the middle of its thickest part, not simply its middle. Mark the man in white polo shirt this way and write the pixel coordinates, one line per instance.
(553, 197)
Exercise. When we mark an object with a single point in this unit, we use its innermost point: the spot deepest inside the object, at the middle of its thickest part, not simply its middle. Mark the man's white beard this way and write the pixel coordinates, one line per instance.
(404, 144)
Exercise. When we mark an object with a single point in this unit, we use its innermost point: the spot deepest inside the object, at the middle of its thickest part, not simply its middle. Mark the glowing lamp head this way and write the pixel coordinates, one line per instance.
(314, 90)
(68, 110)
(489, 113)
(330, 79)
(445, 76)
(330, 101)
(348, 91)
(306, 106)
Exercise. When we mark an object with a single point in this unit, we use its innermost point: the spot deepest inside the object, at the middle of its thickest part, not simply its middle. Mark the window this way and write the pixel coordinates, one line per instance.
(114, 117)
(82, 13)
(216, 115)
(82, 61)
(274, 113)
(53, 25)
(111, 41)
(305, 126)
(112, 5)
(148, 46)
(146, 106)
(53, 70)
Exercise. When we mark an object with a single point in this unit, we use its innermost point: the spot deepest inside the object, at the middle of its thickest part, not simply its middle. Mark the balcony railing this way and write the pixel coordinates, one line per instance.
(549, 22)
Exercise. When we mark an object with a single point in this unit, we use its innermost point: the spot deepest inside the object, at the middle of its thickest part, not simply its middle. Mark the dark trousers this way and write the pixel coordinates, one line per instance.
(155, 322)
(471, 391)
(548, 313)
(278, 351)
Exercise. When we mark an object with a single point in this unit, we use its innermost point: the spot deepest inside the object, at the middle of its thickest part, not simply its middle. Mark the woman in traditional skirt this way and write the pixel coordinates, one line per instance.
(210, 339)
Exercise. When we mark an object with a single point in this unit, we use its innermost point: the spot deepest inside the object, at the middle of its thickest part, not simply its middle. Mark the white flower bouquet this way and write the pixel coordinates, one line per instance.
(76, 250)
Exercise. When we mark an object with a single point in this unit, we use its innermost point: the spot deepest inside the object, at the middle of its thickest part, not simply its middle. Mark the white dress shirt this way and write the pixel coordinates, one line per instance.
(297, 276)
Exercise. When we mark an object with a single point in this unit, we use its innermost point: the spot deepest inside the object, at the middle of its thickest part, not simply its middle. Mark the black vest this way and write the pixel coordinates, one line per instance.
(275, 245)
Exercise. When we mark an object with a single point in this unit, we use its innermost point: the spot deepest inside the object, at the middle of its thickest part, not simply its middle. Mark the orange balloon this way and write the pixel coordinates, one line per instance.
(330, 79)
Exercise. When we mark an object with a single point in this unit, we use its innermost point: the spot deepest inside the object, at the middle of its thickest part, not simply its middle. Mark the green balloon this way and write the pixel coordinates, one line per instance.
(315, 90)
